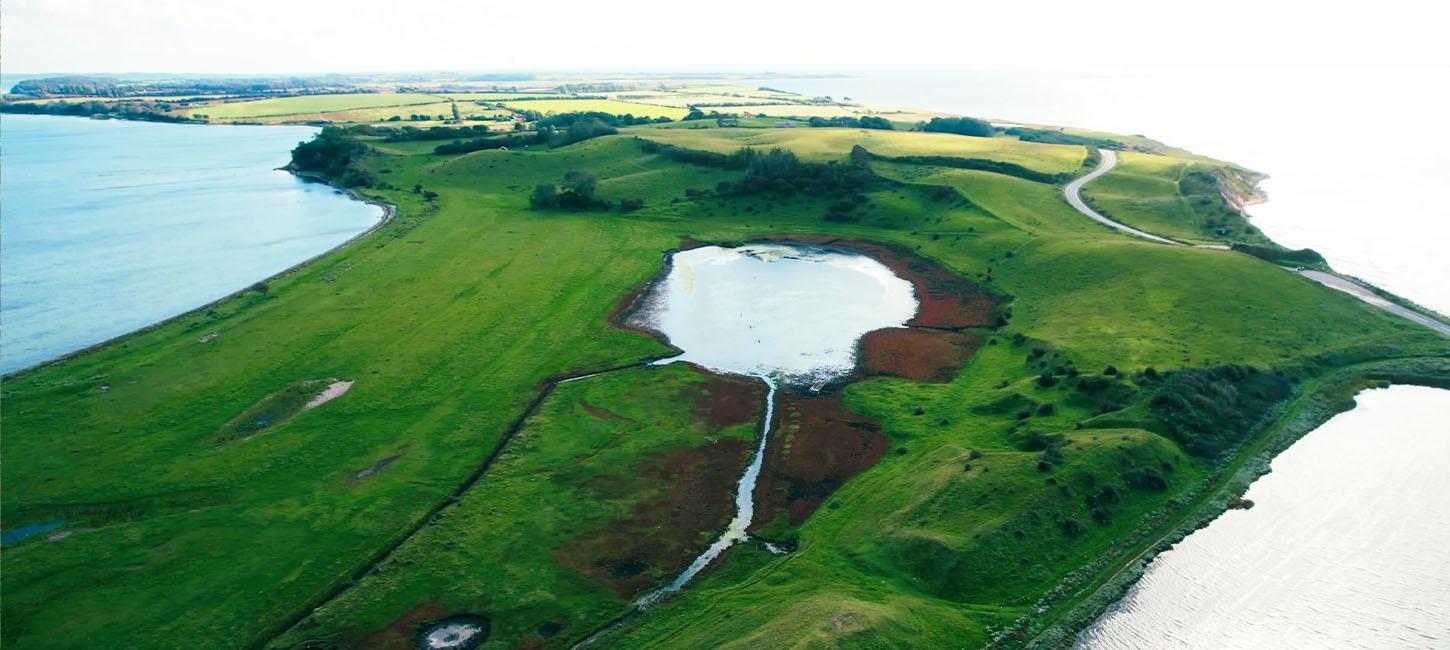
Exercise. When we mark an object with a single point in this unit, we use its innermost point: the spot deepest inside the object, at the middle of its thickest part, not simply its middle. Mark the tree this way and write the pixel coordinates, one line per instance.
(581, 183)
(545, 196)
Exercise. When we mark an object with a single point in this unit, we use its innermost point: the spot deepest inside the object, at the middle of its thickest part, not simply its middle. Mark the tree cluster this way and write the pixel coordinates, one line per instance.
(333, 154)
(1209, 410)
(576, 193)
(1058, 137)
(959, 125)
(697, 114)
(413, 133)
(565, 120)
(507, 141)
(131, 110)
(867, 122)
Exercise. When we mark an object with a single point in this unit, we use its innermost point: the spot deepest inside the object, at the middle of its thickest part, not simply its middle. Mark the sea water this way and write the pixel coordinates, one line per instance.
(107, 226)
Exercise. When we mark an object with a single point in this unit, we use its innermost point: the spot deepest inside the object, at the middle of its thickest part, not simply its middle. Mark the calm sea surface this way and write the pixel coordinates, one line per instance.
(1347, 545)
(108, 226)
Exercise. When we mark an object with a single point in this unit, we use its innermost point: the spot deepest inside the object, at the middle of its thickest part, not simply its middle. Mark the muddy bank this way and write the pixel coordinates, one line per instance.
(923, 355)
(947, 300)
(727, 400)
(683, 496)
(818, 445)
(691, 497)
(402, 633)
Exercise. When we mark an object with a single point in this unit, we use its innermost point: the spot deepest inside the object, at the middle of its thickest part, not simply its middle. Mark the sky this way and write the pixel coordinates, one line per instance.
(312, 36)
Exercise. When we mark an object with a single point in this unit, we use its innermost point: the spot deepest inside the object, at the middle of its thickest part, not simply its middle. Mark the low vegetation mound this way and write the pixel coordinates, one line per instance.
(979, 164)
(1280, 255)
(1052, 136)
(1209, 410)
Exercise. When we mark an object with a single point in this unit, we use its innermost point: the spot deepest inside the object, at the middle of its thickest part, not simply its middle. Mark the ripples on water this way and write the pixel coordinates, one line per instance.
(1347, 546)
(109, 226)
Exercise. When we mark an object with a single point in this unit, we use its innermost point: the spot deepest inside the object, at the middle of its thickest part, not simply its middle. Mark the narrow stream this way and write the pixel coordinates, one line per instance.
(744, 508)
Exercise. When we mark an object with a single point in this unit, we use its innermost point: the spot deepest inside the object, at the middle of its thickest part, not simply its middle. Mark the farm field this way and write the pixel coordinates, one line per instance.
(497, 97)
(601, 105)
(311, 104)
(832, 144)
(412, 114)
(459, 476)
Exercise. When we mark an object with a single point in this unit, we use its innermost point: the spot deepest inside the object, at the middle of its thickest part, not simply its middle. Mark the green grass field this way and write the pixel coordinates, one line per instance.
(309, 104)
(1171, 196)
(452, 317)
(833, 144)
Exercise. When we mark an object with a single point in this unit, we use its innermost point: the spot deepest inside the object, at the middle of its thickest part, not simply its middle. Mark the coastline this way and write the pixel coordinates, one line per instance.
(389, 210)
(1317, 403)
(1285, 423)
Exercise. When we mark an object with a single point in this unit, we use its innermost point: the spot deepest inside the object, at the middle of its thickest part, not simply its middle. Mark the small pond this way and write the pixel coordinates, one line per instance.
(788, 311)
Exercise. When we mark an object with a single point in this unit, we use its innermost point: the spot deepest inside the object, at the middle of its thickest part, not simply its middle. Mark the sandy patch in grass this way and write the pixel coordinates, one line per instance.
(332, 392)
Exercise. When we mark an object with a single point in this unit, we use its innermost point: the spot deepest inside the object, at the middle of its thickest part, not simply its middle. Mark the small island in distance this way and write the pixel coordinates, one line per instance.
(462, 428)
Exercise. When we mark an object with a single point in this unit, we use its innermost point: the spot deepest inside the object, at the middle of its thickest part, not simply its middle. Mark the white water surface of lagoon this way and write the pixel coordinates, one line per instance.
(790, 312)
(784, 313)
(108, 226)
(1344, 547)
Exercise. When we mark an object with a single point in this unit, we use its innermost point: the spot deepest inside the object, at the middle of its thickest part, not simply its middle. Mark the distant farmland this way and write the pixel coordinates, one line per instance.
(311, 104)
(601, 105)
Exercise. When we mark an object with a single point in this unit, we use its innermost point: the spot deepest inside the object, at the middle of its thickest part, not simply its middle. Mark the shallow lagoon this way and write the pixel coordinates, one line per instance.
(791, 312)
(786, 313)
(109, 226)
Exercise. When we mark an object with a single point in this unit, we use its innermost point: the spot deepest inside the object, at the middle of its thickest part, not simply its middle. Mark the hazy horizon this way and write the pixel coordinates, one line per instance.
(382, 36)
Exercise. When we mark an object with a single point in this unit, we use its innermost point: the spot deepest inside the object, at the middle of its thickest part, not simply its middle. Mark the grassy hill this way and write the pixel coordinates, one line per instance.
(456, 476)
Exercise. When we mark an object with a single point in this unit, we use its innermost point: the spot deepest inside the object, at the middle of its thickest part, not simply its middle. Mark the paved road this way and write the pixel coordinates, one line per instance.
(1359, 291)
(1073, 194)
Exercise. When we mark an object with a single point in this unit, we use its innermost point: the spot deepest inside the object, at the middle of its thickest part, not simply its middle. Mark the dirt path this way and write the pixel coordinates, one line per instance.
(1073, 195)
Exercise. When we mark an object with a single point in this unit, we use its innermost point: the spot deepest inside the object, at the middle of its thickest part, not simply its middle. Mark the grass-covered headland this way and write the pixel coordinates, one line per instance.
(994, 479)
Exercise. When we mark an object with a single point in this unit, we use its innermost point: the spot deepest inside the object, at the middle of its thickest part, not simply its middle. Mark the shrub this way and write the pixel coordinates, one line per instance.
(545, 195)
(1145, 477)
(1072, 527)
(1208, 410)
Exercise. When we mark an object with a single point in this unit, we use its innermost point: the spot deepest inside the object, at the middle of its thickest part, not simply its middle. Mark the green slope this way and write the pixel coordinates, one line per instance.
(450, 319)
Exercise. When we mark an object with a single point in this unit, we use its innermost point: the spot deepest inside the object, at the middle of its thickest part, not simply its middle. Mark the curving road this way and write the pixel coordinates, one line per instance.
(1073, 194)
